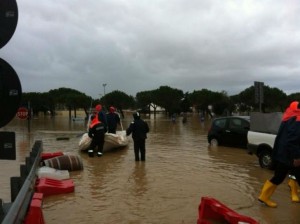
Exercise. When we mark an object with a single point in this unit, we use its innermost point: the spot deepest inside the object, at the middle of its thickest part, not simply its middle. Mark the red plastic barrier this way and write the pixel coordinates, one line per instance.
(49, 155)
(211, 211)
(35, 213)
(49, 186)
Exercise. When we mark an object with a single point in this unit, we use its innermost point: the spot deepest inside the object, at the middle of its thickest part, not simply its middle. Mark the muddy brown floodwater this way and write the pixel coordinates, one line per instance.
(180, 168)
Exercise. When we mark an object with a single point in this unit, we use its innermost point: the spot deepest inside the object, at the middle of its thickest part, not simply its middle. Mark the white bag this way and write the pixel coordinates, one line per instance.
(85, 142)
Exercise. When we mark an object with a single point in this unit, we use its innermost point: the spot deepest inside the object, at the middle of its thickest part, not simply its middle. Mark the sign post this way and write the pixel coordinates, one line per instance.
(259, 93)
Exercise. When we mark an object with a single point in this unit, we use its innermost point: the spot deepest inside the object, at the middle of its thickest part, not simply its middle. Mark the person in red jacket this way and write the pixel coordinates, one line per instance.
(96, 132)
(286, 156)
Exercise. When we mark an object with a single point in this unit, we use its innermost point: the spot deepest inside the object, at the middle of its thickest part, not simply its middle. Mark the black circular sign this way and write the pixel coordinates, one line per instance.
(8, 20)
(10, 93)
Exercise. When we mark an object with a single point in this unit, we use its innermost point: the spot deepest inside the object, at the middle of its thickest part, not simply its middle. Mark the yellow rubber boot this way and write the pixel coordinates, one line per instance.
(294, 190)
(266, 192)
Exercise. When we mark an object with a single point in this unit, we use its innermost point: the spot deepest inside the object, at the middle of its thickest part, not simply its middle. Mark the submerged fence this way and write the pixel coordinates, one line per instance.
(22, 188)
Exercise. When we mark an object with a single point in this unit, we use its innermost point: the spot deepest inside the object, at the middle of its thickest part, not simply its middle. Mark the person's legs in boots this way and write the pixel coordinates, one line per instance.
(294, 184)
(92, 148)
(142, 149)
(100, 148)
(294, 190)
(136, 151)
(266, 193)
(269, 187)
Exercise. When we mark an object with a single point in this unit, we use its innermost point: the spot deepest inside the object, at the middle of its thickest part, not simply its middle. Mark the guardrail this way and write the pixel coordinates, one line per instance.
(22, 188)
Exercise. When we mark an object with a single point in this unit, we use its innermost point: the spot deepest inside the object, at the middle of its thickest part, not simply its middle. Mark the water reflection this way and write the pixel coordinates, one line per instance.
(139, 179)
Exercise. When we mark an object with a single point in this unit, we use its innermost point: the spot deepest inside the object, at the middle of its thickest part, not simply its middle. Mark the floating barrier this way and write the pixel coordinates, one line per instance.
(35, 212)
(212, 211)
(52, 173)
(49, 186)
(65, 162)
(49, 155)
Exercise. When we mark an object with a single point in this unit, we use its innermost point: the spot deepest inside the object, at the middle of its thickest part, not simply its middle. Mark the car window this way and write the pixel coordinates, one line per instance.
(238, 123)
(235, 123)
(246, 124)
(220, 123)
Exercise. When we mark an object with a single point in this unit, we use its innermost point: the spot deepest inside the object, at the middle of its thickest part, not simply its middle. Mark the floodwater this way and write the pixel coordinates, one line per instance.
(180, 169)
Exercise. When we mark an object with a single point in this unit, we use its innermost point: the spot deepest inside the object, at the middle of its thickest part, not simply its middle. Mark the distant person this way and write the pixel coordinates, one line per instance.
(173, 118)
(184, 118)
(139, 130)
(202, 117)
(96, 133)
(286, 156)
(113, 120)
(101, 114)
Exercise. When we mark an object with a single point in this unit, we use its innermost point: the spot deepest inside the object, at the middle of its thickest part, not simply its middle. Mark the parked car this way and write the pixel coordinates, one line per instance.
(229, 131)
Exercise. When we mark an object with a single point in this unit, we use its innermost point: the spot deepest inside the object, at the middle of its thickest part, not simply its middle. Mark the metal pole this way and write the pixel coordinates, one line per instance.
(104, 88)
(29, 116)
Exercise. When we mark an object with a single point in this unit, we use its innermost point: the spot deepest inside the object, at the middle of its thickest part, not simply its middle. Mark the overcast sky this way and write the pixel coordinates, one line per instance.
(139, 45)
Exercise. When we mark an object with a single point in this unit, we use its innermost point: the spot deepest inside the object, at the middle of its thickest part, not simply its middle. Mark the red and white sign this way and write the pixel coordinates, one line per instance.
(22, 113)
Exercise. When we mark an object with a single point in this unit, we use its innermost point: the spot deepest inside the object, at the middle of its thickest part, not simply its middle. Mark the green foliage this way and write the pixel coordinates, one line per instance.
(168, 98)
(118, 99)
(201, 99)
(185, 104)
(56, 99)
(38, 102)
(171, 99)
(144, 99)
(274, 100)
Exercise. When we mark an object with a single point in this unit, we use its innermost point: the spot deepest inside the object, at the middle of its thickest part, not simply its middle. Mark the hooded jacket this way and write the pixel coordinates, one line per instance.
(138, 128)
(287, 142)
(96, 129)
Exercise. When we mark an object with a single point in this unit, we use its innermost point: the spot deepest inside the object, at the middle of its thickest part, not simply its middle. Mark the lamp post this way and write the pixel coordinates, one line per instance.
(104, 84)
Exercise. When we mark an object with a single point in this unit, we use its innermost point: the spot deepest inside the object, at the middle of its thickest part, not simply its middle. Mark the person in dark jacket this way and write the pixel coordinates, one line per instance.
(286, 156)
(96, 132)
(101, 115)
(139, 130)
(113, 120)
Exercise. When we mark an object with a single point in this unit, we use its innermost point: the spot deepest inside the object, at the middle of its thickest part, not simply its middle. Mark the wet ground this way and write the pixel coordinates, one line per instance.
(180, 169)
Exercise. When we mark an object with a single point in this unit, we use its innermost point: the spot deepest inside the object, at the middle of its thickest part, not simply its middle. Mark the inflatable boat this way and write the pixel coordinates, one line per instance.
(111, 141)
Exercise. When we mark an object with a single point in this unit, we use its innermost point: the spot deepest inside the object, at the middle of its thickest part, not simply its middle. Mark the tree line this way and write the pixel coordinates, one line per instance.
(171, 99)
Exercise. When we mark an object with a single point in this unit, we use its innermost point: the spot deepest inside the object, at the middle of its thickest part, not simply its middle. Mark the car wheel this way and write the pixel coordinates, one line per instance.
(214, 142)
(265, 160)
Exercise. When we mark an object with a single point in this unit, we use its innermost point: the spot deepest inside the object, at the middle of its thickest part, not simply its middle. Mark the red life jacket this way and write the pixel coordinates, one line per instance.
(94, 122)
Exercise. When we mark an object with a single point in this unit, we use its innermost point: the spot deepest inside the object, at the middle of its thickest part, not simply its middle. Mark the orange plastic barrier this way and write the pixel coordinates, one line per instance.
(35, 213)
(49, 186)
(212, 211)
(49, 155)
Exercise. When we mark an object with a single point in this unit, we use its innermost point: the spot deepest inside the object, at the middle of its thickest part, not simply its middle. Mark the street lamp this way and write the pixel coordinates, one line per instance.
(104, 88)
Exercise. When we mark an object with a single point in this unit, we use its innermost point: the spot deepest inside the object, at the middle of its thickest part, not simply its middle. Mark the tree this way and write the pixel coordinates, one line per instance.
(118, 99)
(220, 102)
(185, 104)
(274, 99)
(168, 98)
(38, 102)
(144, 100)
